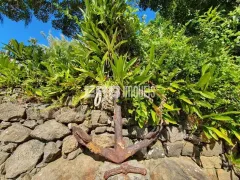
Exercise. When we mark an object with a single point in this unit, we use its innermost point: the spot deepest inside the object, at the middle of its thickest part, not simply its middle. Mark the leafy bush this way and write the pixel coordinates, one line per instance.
(194, 79)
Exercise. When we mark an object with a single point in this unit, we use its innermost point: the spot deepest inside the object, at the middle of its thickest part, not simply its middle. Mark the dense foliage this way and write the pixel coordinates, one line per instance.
(195, 79)
(181, 11)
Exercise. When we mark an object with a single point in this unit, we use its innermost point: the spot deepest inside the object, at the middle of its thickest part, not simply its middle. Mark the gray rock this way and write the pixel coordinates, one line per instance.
(33, 171)
(127, 141)
(182, 168)
(110, 130)
(109, 166)
(125, 132)
(10, 110)
(15, 133)
(104, 118)
(25, 177)
(70, 116)
(30, 124)
(41, 165)
(10, 147)
(164, 135)
(3, 157)
(82, 126)
(214, 149)
(141, 154)
(156, 151)
(2, 170)
(50, 130)
(137, 132)
(51, 152)
(226, 175)
(81, 168)
(104, 140)
(95, 115)
(211, 173)
(40, 121)
(59, 143)
(211, 162)
(187, 149)
(74, 154)
(17, 120)
(24, 158)
(33, 113)
(46, 112)
(70, 144)
(174, 149)
(4, 125)
(175, 134)
(82, 108)
(100, 130)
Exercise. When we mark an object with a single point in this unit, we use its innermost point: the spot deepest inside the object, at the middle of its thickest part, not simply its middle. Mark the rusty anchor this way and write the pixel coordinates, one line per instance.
(120, 152)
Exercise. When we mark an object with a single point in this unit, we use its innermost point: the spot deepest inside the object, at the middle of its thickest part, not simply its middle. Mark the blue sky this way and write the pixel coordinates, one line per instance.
(17, 30)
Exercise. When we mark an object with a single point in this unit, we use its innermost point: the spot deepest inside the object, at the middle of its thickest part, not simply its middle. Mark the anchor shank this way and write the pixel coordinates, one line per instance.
(118, 126)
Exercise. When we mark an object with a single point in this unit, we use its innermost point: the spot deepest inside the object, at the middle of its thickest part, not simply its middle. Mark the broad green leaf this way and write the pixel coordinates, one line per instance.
(237, 134)
(194, 109)
(205, 67)
(209, 95)
(204, 104)
(204, 80)
(175, 85)
(185, 99)
(169, 119)
(152, 49)
(168, 106)
(221, 114)
(172, 90)
(222, 118)
(39, 92)
(153, 114)
(206, 132)
(221, 135)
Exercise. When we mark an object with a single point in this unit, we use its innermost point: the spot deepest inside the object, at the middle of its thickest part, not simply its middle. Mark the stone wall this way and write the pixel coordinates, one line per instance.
(36, 143)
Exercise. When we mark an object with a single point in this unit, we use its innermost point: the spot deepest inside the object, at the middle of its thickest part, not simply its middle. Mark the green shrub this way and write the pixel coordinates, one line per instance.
(194, 79)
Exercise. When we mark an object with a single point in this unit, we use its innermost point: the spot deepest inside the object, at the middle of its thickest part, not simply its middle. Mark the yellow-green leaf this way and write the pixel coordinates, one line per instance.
(185, 99)
(221, 135)
(222, 118)
(236, 134)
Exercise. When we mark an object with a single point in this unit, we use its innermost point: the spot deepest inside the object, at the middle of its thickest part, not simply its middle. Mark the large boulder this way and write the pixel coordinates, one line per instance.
(174, 149)
(156, 151)
(50, 130)
(187, 149)
(70, 144)
(104, 140)
(175, 134)
(15, 133)
(24, 158)
(51, 152)
(174, 168)
(10, 147)
(3, 157)
(213, 149)
(10, 110)
(131, 176)
(70, 116)
(81, 168)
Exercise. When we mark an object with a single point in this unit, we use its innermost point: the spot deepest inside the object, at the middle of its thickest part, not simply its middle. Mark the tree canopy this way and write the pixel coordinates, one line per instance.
(181, 11)
(44, 10)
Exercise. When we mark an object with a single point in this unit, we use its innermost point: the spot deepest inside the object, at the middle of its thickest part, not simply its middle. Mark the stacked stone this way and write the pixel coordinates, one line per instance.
(36, 140)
